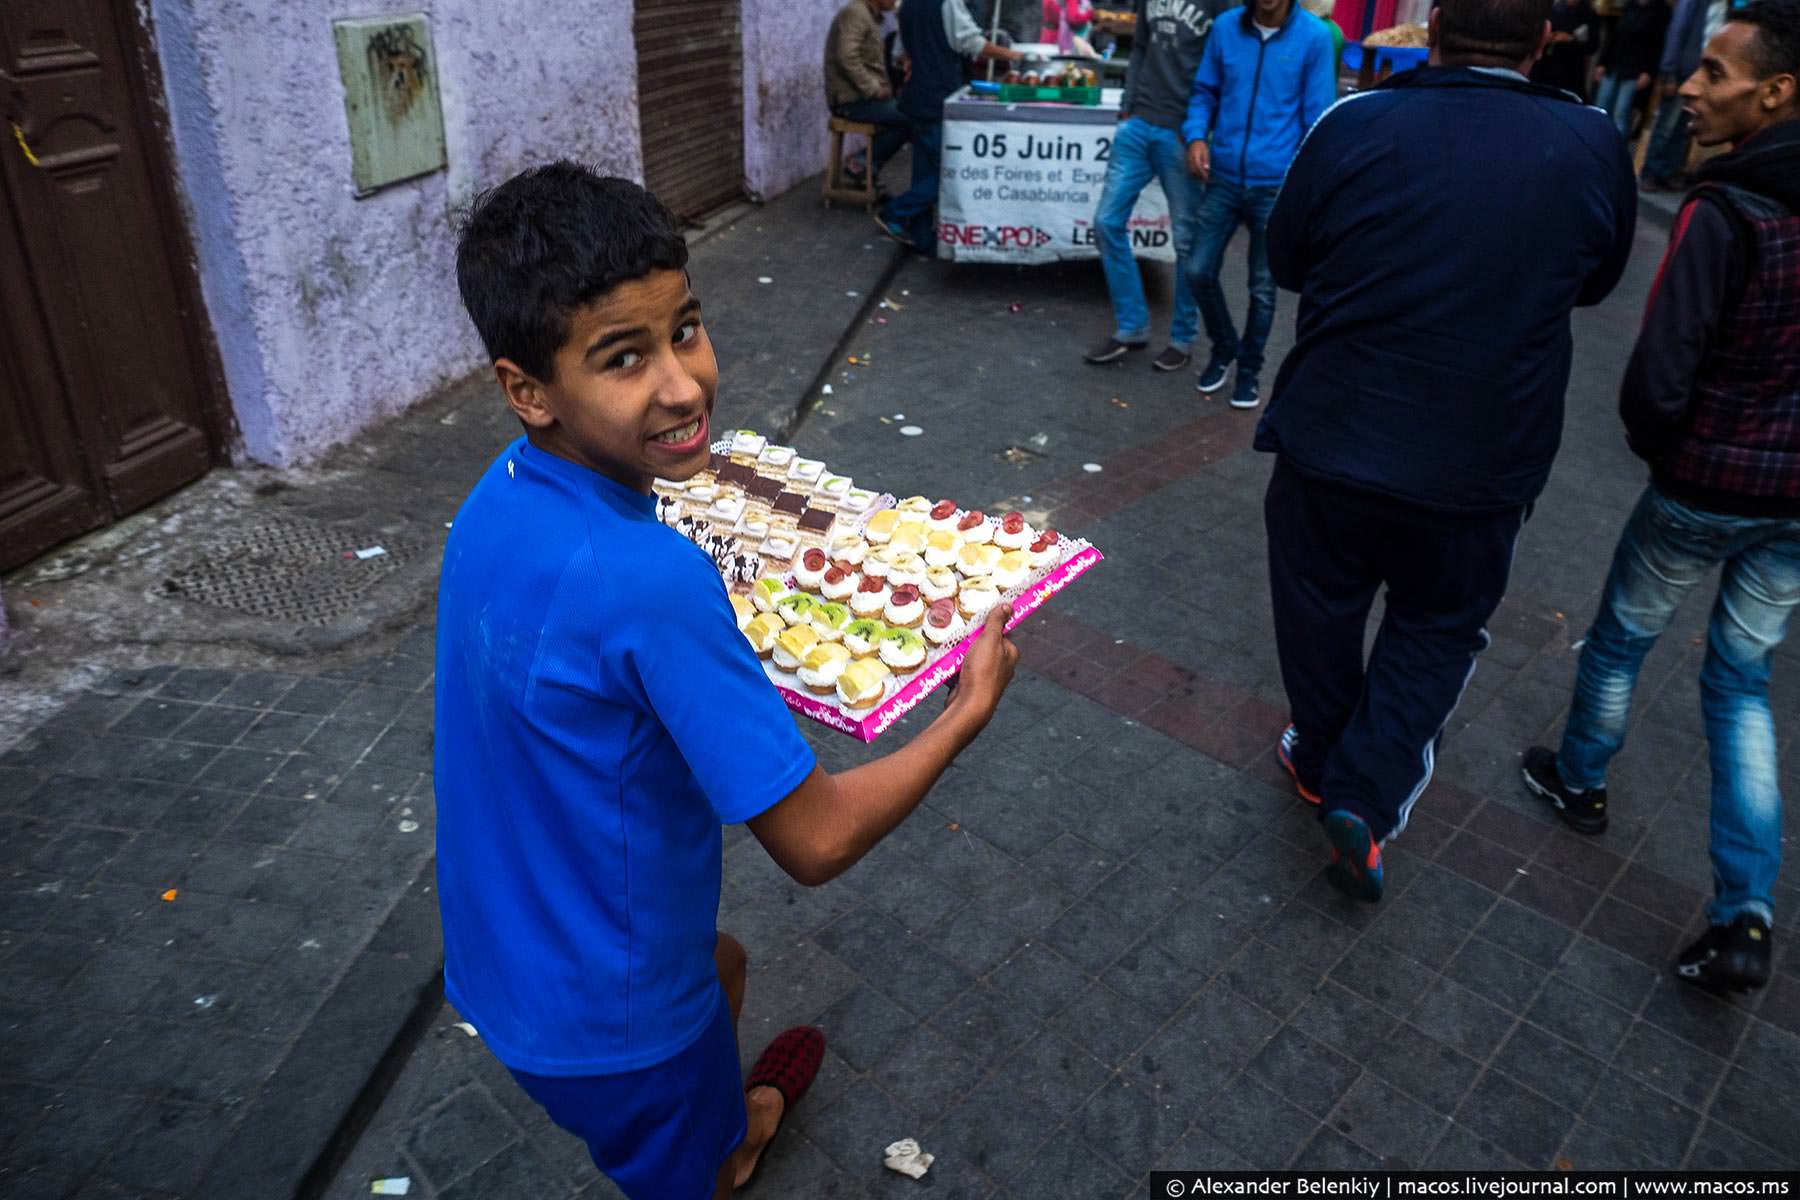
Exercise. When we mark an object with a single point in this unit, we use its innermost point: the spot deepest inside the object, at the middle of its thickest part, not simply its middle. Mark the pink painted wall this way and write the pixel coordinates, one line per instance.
(784, 91)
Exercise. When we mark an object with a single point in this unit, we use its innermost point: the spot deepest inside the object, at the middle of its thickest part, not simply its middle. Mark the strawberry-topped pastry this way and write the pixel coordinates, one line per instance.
(870, 597)
(942, 625)
(942, 516)
(839, 583)
(905, 608)
(810, 574)
(974, 528)
(1046, 549)
(1014, 533)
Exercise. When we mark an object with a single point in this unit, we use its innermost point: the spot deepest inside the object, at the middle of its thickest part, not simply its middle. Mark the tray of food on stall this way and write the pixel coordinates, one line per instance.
(860, 605)
(1057, 85)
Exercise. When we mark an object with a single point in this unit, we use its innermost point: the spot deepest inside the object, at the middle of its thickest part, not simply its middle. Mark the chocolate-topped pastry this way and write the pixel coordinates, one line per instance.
(762, 489)
(736, 475)
(716, 463)
(816, 520)
(790, 504)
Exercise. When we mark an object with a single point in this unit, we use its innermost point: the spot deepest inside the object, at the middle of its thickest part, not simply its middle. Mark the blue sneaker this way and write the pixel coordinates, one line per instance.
(1355, 866)
(1244, 394)
(1212, 376)
(893, 232)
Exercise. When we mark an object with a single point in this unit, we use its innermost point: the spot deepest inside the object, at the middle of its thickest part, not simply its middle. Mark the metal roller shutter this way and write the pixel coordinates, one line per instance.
(691, 101)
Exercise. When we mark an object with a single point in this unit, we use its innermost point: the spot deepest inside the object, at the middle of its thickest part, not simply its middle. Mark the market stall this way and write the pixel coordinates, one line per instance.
(1021, 182)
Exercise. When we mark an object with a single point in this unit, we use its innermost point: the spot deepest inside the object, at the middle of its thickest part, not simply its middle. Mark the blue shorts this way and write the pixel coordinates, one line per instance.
(662, 1131)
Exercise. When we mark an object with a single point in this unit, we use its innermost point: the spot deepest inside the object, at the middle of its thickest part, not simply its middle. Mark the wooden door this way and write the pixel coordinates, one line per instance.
(103, 398)
(691, 101)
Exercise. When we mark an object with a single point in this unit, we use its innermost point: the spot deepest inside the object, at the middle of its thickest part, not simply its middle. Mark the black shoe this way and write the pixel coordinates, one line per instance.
(1171, 359)
(1584, 812)
(1111, 351)
(1212, 376)
(1729, 958)
(1244, 393)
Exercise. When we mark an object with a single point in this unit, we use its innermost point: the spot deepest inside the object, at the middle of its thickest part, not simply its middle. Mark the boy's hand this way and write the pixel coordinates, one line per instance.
(988, 668)
(1199, 160)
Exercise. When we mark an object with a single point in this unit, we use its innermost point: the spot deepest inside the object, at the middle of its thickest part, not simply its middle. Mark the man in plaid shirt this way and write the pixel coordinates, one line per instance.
(1711, 399)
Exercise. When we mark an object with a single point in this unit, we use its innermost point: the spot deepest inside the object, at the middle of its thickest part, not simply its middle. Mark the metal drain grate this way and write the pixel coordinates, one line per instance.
(289, 569)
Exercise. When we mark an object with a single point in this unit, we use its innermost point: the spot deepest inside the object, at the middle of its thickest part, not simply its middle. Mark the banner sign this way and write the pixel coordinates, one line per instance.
(1020, 186)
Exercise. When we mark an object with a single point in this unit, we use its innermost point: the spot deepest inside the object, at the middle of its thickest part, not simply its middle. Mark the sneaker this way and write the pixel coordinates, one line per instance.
(893, 232)
(1355, 866)
(1212, 376)
(1111, 350)
(1171, 359)
(1729, 958)
(1583, 811)
(1244, 394)
(1284, 750)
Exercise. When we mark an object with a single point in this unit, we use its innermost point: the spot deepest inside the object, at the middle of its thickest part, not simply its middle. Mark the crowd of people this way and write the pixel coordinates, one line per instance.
(599, 717)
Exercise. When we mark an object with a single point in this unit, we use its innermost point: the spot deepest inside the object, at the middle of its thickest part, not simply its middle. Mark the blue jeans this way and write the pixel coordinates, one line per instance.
(912, 209)
(1668, 141)
(1140, 151)
(1226, 206)
(891, 129)
(1666, 549)
(1614, 95)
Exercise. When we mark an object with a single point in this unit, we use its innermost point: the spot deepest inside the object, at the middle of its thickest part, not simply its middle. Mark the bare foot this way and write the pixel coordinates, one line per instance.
(763, 1106)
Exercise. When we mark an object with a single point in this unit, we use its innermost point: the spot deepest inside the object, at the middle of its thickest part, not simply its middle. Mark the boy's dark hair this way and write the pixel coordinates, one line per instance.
(549, 240)
(1777, 48)
(1504, 31)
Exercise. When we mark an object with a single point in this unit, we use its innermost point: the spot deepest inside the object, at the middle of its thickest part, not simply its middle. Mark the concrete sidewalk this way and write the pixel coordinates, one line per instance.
(1104, 944)
(1101, 946)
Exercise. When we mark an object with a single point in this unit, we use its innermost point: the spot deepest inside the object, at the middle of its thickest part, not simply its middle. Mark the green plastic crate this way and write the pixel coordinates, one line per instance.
(1014, 92)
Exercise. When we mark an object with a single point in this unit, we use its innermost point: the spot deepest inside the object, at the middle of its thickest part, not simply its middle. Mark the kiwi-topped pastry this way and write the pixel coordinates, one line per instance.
(861, 637)
(903, 650)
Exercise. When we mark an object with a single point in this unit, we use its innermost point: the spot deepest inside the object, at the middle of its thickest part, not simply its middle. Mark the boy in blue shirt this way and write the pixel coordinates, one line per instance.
(599, 716)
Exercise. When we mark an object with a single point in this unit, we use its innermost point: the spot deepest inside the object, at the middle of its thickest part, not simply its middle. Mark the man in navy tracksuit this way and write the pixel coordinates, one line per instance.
(1268, 72)
(1439, 230)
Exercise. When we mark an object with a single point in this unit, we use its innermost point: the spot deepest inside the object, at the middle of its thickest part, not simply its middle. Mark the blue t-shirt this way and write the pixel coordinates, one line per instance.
(598, 717)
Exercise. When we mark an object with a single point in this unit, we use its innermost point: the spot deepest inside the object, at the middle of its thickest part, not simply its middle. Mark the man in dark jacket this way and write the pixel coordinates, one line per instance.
(1628, 61)
(1439, 230)
(1693, 25)
(1711, 400)
(856, 82)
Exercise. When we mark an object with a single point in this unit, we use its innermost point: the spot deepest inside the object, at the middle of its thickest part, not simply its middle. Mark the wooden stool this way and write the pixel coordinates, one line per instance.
(837, 187)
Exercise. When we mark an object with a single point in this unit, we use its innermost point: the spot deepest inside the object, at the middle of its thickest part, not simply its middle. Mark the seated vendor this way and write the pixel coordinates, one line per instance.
(856, 78)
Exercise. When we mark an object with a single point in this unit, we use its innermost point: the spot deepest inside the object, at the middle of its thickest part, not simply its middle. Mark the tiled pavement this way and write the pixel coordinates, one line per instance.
(1104, 944)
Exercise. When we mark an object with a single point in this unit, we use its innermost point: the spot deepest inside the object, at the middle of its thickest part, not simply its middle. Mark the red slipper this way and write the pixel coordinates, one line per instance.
(789, 1064)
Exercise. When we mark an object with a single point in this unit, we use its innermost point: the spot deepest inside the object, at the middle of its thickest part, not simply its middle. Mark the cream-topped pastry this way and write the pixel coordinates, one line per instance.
(829, 621)
(780, 545)
(906, 569)
(1011, 570)
(725, 510)
(796, 608)
(978, 560)
(741, 609)
(870, 598)
(838, 583)
(879, 562)
(914, 504)
(832, 489)
(823, 665)
(977, 596)
(942, 515)
(810, 573)
(668, 509)
(747, 447)
(755, 529)
(940, 584)
(848, 549)
(1014, 533)
(905, 608)
(863, 683)
(857, 500)
(700, 495)
(862, 638)
(774, 461)
(942, 625)
(762, 631)
(1047, 549)
(903, 650)
(767, 592)
(975, 529)
(806, 472)
(880, 527)
(792, 646)
(941, 547)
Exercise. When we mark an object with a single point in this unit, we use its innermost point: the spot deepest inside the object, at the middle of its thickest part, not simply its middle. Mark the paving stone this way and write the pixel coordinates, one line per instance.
(78, 1126)
(1310, 1074)
(1105, 1024)
(1758, 1109)
(1064, 1167)
(1128, 1124)
(1671, 1066)
(1411, 930)
(1530, 935)
(864, 1026)
(1210, 1041)
(1156, 981)
(466, 1131)
(196, 683)
(1071, 863)
(1525, 1126)
(1427, 1070)
(1549, 1066)
(1598, 968)
(1719, 1148)
(1494, 974)
(168, 1148)
(1091, 937)
(1257, 1125)
(924, 1072)
(1308, 935)
(984, 1025)
(1330, 1150)
(1378, 970)
(1695, 1016)
(155, 717)
(1632, 1112)
(1040, 979)
(518, 1170)
(1394, 1127)
(1272, 979)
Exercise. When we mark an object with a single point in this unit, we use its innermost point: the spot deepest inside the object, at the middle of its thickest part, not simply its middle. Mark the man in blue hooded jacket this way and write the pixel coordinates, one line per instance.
(1267, 74)
(1439, 229)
